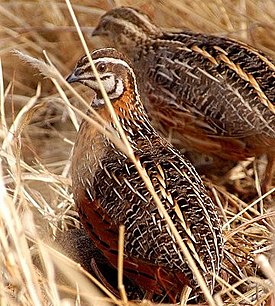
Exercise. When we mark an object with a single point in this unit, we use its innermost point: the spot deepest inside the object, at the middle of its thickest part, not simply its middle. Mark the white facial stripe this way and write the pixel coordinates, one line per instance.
(108, 60)
(119, 90)
(98, 102)
(85, 76)
(91, 83)
(117, 61)
(109, 82)
(123, 63)
(86, 66)
(110, 85)
(114, 95)
(113, 61)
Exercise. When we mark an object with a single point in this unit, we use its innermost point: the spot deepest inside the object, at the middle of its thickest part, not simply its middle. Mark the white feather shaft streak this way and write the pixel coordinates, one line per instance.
(179, 240)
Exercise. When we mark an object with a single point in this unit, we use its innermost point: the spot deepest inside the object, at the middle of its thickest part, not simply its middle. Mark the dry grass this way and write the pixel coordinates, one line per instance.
(38, 127)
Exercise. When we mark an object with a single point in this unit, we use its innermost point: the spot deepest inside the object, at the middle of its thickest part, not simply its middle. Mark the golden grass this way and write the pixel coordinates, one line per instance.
(38, 126)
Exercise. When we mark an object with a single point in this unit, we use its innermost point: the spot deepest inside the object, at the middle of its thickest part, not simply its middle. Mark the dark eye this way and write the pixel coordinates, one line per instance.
(101, 67)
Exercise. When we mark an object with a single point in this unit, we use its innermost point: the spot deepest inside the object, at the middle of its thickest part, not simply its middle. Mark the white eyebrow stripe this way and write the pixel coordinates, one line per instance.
(121, 62)
(113, 61)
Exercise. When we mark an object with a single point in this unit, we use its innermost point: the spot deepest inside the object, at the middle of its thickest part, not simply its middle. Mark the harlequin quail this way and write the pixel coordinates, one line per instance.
(108, 190)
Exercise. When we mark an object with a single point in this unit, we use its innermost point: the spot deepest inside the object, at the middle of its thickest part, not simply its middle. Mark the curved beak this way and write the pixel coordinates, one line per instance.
(95, 32)
(72, 78)
(98, 31)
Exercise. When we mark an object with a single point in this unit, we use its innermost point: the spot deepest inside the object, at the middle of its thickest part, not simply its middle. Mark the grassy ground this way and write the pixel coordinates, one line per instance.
(37, 133)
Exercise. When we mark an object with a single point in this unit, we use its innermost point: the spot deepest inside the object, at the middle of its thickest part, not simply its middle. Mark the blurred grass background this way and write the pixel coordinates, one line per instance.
(35, 188)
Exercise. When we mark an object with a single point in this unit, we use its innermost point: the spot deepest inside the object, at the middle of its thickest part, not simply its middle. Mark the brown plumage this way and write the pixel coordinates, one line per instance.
(75, 244)
(210, 94)
(108, 190)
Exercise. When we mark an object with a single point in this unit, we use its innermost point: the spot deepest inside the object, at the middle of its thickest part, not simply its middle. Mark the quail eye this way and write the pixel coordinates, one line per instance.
(101, 67)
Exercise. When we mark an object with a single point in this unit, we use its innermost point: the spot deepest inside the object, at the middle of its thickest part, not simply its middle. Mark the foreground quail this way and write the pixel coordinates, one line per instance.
(108, 190)
(211, 94)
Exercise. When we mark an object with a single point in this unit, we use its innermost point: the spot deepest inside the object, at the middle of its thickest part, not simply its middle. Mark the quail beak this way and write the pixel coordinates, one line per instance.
(72, 78)
(98, 32)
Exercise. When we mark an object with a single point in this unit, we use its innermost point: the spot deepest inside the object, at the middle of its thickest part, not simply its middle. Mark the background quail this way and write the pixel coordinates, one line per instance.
(206, 93)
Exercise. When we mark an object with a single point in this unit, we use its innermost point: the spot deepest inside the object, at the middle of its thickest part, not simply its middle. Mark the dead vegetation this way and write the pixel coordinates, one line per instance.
(38, 126)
